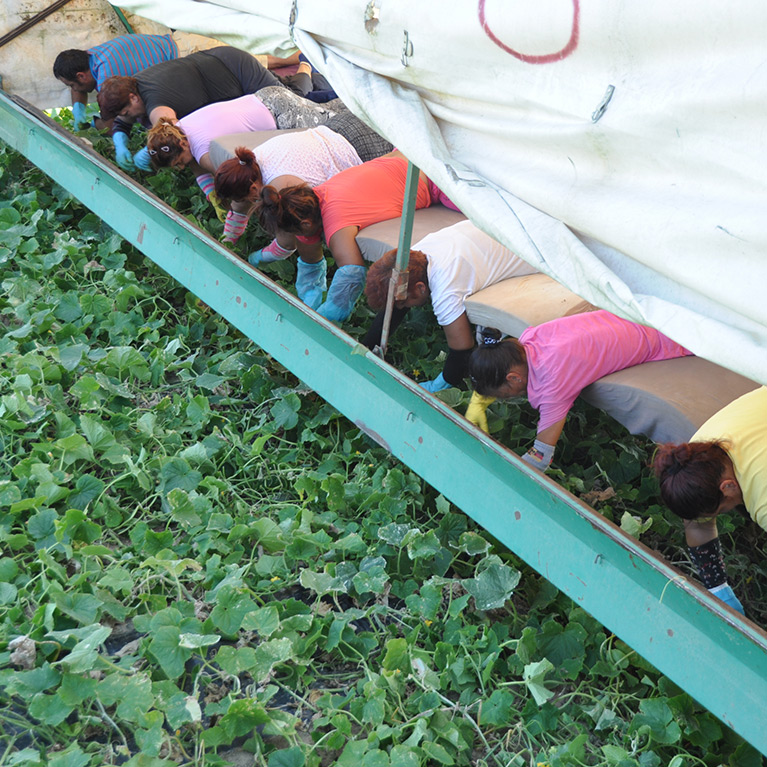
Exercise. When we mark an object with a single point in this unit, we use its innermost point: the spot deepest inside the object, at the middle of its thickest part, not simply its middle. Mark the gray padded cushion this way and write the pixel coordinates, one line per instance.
(667, 400)
(222, 148)
(377, 239)
(516, 304)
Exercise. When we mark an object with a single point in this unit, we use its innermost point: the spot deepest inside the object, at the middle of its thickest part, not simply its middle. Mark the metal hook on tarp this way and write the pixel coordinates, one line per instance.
(407, 50)
(602, 106)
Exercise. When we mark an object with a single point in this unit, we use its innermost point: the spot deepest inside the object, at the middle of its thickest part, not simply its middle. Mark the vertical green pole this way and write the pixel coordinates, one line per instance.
(399, 275)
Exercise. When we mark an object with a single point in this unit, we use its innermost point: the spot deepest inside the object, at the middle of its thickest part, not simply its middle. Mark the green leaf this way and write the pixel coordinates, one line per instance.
(84, 608)
(287, 757)
(437, 752)
(166, 648)
(196, 641)
(73, 756)
(176, 472)
(404, 756)
(397, 655)
(533, 676)
(496, 710)
(493, 586)
(231, 607)
(182, 709)
(269, 654)
(84, 654)
(236, 660)
(49, 709)
(634, 525)
(285, 411)
(656, 715)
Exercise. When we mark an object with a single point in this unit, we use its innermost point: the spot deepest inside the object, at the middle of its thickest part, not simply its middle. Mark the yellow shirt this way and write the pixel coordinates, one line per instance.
(743, 425)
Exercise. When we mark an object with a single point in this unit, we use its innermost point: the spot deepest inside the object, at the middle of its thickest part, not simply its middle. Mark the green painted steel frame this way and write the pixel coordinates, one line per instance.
(708, 650)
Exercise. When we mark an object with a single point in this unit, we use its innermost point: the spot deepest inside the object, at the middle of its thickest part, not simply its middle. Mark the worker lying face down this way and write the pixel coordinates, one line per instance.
(445, 267)
(723, 466)
(335, 211)
(553, 362)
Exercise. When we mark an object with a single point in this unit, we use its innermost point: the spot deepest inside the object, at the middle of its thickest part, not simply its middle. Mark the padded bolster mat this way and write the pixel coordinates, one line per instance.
(667, 400)
(377, 239)
(516, 304)
(222, 148)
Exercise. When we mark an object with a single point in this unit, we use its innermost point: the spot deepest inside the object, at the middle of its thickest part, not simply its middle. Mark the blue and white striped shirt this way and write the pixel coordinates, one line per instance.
(129, 54)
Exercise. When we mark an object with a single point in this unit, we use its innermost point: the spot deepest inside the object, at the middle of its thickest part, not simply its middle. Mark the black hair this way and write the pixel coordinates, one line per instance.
(492, 360)
(69, 63)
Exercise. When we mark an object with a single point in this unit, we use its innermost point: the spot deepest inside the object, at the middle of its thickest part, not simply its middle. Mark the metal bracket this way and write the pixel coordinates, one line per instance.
(407, 50)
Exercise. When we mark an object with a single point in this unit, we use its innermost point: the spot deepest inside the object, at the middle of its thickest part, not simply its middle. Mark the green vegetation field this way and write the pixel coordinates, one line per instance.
(202, 563)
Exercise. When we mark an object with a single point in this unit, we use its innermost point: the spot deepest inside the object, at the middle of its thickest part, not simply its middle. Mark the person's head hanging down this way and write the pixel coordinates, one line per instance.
(696, 479)
(168, 145)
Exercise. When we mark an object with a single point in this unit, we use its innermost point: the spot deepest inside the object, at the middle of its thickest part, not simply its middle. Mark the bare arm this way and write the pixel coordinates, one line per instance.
(310, 252)
(697, 532)
(550, 435)
(344, 248)
(458, 334)
(158, 112)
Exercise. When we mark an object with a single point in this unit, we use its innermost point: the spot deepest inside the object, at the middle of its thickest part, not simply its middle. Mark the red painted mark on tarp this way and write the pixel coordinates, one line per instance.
(548, 58)
(140, 236)
(238, 299)
(517, 516)
(670, 632)
(420, 440)
(306, 352)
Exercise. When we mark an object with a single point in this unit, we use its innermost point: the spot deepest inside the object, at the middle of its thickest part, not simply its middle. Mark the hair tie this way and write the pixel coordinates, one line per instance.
(165, 148)
(490, 341)
(242, 162)
(153, 152)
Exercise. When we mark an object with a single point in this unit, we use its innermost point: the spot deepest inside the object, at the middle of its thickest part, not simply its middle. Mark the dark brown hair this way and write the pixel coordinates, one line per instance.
(235, 177)
(379, 275)
(286, 210)
(114, 95)
(689, 476)
(492, 360)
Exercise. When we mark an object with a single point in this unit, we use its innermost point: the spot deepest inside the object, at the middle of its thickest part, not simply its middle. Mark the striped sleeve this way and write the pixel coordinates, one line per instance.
(129, 54)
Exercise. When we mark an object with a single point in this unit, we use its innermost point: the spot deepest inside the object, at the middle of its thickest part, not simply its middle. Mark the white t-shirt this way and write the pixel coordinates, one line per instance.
(463, 260)
(314, 155)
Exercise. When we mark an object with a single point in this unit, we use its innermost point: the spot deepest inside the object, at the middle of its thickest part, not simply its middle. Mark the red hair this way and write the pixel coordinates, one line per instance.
(235, 177)
(689, 476)
(289, 209)
(379, 275)
(114, 95)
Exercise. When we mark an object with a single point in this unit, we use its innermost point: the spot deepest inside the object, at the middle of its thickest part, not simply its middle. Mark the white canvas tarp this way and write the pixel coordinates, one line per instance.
(621, 147)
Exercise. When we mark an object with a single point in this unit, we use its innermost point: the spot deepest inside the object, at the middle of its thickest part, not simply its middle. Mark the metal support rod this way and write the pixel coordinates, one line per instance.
(719, 658)
(399, 277)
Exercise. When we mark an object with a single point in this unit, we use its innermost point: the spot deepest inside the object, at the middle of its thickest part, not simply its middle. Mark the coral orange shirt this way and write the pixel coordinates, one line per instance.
(365, 195)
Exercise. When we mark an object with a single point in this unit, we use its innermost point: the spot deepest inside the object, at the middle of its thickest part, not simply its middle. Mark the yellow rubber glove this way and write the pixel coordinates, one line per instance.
(216, 203)
(476, 412)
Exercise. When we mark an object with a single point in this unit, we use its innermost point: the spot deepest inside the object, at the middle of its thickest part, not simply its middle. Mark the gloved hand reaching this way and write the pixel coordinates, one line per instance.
(141, 159)
(438, 384)
(123, 154)
(78, 113)
(476, 412)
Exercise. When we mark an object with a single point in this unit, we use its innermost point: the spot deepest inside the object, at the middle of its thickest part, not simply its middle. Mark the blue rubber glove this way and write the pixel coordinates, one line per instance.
(123, 153)
(345, 289)
(141, 159)
(78, 112)
(438, 384)
(311, 281)
(724, 592)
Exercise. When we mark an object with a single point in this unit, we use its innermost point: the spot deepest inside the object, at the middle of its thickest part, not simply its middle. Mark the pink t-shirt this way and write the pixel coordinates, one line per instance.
(240, 115)
(366, 194)
(567, 354)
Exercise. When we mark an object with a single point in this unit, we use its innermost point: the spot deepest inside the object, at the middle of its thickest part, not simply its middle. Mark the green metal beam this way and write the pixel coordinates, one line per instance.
(718, 658)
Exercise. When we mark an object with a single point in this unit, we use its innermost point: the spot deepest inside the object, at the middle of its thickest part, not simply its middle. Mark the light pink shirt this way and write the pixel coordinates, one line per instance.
(567, 354)
(203, 125)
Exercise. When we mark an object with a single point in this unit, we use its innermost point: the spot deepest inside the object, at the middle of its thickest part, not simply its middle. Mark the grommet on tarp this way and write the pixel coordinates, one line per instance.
(602, 107)
(407, 50)
(372, 13)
